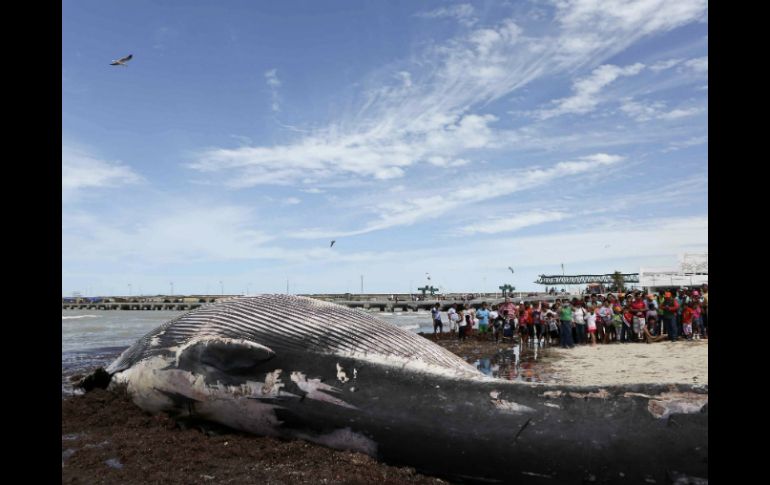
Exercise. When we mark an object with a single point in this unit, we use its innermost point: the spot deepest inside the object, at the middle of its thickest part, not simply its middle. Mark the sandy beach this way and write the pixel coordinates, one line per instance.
(682, 362)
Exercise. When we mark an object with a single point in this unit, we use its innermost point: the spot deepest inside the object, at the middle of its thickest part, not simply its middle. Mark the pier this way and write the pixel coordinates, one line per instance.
(369, 302)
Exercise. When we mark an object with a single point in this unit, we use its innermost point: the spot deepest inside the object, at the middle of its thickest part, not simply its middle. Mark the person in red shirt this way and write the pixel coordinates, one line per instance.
(507, 305)
(638, 305)
(625, 329)
(524, 326)
(688, 314)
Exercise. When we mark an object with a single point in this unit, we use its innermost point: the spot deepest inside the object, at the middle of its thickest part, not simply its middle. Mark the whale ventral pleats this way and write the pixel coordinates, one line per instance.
(226, 355)
(288, 324)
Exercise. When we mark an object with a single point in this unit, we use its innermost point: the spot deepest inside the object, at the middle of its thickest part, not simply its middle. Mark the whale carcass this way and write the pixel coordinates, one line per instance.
(300, 368)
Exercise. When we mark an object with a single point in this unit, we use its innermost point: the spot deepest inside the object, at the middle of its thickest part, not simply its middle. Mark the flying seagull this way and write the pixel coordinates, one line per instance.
(510, 269)
(122, 61)
(332, 244)
(428, 276)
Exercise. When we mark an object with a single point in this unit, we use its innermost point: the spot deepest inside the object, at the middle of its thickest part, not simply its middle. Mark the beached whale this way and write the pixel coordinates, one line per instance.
(296, 367)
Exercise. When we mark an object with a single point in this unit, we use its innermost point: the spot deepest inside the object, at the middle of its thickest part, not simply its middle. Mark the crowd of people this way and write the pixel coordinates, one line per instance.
(678, 313)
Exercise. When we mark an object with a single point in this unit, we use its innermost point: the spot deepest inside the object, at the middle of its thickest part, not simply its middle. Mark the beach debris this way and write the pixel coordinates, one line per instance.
(114, 463)
(552, 394)
(669, 403)
(511, 407)
(600, 394)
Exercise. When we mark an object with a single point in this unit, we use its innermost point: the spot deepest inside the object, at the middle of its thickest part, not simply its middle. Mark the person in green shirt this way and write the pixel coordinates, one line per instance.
(565, 315)
(670, 308)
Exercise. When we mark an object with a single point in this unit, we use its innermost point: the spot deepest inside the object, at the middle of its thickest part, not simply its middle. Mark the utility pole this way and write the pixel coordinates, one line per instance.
(362, 284)
(287, 286)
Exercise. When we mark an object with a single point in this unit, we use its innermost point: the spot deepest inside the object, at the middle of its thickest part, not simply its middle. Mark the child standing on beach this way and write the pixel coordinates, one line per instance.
(688, 315)
(553, 326)
(591, 324)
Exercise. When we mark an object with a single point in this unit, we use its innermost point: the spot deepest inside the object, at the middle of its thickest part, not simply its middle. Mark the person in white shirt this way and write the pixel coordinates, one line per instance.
(578, 318)
(591, 326)
(453, 319)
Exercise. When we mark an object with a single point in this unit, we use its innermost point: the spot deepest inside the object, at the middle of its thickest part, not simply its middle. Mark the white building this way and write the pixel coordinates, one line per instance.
(693, 270)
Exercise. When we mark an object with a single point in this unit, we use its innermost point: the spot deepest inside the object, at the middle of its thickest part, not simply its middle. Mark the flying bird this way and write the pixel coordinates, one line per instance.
(510, 269)
(122, 61)
(428, 276)
(332, 243)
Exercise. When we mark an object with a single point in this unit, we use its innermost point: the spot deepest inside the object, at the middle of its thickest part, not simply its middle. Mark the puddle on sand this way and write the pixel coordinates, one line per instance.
(515, 363)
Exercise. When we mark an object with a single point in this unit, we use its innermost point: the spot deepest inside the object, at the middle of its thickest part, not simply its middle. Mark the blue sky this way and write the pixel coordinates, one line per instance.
(453, 139)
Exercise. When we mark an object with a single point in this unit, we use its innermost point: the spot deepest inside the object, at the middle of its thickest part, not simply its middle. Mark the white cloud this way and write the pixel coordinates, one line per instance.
(81, 170)
(690, 142)
(680, 113)
(216, 233)
(699, 65)
(663, 65)
(464, 13)
(622, 22)
(271, 78)
(431, 112)
(587, 90)
(410, 211)
(514, 222)
(632, 243)
(655, 110)
(379, 153)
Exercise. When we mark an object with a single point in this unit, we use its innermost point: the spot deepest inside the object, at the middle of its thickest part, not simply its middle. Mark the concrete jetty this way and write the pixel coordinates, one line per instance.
(371, 302)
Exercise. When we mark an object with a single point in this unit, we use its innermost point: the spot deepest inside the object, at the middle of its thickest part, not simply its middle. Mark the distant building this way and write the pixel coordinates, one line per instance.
(693, 270)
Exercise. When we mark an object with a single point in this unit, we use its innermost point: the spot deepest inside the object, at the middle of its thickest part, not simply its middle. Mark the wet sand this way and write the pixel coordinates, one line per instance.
(106, 439)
